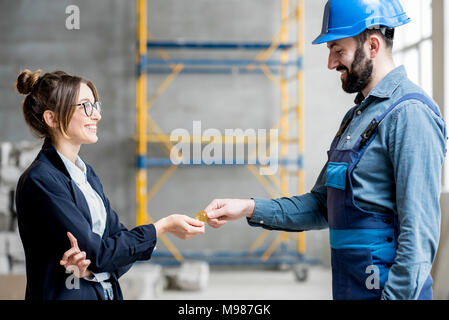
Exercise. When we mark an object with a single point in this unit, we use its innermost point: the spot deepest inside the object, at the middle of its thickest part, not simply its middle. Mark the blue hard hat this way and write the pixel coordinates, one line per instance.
(348, 18)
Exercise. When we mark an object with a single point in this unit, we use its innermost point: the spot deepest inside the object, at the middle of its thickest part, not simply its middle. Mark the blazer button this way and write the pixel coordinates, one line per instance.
(389, 239)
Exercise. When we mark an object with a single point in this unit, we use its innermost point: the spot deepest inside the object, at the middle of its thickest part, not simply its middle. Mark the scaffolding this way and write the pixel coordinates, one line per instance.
(277, 71)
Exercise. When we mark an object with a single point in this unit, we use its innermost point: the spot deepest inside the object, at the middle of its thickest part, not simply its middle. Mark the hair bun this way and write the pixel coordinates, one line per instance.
(26, 80)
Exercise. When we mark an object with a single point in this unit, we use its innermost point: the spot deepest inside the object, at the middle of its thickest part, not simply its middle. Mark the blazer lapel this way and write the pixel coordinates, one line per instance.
(49, 151)
(81, 202)
(95, 185)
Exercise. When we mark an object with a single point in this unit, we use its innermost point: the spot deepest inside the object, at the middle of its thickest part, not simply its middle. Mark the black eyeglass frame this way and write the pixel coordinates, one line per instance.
(88, 104)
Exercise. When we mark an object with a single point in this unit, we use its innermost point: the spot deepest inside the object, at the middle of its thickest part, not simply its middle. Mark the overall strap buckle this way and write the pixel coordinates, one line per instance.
(366, 135)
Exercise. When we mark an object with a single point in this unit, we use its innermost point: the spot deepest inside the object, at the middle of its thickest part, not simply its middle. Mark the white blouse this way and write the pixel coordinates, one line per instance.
(78, 173)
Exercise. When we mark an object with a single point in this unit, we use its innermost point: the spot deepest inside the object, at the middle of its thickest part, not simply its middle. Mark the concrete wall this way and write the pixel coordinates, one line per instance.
(103, 50)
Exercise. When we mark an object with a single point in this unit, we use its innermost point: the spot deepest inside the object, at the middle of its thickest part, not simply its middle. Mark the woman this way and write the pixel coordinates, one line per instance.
(61, 203)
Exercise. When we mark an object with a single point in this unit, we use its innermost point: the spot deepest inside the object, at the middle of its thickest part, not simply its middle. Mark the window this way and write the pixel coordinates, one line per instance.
(413, 43)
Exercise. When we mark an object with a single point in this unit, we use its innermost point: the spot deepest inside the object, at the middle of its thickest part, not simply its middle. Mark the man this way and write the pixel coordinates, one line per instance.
(379, 191)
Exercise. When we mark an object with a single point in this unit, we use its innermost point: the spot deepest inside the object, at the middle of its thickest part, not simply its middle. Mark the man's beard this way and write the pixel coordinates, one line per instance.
(361, 72)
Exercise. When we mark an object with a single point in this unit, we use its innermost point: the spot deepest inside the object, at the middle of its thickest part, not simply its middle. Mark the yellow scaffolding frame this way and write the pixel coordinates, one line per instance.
(275, 186)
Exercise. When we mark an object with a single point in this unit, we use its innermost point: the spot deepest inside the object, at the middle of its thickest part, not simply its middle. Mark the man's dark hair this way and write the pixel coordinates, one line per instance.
(387, 36)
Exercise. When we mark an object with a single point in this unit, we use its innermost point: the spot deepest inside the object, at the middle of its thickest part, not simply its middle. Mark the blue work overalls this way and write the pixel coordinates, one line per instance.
(363, 243)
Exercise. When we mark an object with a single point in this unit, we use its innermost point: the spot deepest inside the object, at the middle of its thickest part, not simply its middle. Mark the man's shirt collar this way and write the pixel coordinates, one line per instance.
(386, 87)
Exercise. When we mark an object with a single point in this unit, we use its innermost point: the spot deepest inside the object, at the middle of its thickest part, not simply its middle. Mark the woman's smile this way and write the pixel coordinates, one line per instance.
(92, 128)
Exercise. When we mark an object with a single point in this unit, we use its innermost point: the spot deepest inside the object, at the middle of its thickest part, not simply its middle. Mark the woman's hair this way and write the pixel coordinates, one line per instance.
(56, 91)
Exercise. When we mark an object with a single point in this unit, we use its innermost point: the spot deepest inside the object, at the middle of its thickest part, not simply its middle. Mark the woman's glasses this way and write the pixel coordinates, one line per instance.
(89, 107)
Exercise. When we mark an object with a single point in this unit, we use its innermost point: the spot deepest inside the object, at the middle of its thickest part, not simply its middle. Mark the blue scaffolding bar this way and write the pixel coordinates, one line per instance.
(203, 66)
(215, 45)
(232, 70)
(223, 258)
(166, 162)
(222, 62)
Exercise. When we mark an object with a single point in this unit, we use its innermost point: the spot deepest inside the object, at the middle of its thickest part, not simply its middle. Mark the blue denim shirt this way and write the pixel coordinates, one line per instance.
(399, 173)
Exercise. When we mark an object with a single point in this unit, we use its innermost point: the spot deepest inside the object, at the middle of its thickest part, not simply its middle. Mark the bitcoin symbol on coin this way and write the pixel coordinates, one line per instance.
(201, 216)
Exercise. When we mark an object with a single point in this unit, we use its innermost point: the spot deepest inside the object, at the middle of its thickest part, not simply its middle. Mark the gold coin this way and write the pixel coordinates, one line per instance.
(201, 216)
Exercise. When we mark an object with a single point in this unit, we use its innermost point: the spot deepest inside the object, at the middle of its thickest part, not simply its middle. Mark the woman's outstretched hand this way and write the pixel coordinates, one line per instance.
(182, 226)
(75, 260)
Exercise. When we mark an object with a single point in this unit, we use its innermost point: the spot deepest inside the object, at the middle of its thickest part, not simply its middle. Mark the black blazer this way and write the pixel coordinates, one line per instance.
(49, 204)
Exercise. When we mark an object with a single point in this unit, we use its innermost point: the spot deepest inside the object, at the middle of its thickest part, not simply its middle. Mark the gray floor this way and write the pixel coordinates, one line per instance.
(258, 285)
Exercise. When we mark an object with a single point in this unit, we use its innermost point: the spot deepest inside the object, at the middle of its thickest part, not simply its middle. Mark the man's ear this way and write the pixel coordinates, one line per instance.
(374, 43)
(50, 119)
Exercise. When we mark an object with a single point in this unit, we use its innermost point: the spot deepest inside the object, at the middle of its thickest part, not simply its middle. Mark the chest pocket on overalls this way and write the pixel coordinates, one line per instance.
(336, 175)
